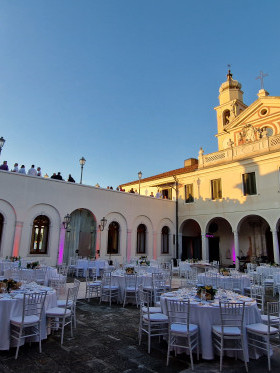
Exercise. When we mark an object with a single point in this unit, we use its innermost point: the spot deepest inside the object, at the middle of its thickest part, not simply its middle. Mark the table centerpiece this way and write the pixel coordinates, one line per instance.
(143, 261)
(129, 270)
(9, 284)
(206, 290)
(224, 272)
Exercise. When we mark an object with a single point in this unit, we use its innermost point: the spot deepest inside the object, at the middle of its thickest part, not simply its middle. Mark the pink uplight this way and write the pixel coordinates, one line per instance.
(61, 246)
(233, 256)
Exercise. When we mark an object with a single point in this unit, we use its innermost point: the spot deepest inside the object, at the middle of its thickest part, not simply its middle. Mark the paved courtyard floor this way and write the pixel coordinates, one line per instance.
(106, 341)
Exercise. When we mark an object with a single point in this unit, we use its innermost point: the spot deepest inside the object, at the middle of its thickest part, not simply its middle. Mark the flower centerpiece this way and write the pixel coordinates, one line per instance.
(143, 261)
(129, 270)
(9, 284)
(208, 290)
(224, 272)
(33, 265)
(14, 258)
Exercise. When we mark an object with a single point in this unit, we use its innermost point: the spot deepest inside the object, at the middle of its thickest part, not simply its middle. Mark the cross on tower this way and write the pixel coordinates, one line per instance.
(261, 77)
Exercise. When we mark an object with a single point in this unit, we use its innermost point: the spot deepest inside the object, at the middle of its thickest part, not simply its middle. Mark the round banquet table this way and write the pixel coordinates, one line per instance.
(205, 314)
(225, 282)
(11, 305)
(50, 273)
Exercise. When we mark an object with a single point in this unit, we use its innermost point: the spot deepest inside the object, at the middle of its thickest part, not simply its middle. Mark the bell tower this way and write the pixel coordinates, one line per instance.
(231, 104)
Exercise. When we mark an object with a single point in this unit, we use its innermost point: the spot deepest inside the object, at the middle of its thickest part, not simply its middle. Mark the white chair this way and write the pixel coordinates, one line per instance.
(93, 287)
(59, 284)
(108, 291)
(276, 283)
(29, 323)
(152, 324)
(59, 317)
(231, 329)
(40, 275)
(63, 269)
(130, 288)
(72, 266)
(263, 336)
(257, 293)
(213, 279)
(181, 334)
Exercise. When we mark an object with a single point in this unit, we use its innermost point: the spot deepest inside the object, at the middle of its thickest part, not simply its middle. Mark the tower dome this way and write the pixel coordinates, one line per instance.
(230, 90)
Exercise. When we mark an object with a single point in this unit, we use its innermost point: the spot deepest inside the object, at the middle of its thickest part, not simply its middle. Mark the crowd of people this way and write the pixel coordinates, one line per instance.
(32, 171)
(57, 176)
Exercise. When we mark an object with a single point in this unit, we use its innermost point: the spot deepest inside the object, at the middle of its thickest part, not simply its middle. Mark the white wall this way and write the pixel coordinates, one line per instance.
(22, 198)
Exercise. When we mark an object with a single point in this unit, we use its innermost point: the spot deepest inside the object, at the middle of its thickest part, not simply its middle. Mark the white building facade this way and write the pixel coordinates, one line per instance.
(229, 201)
(32, 210)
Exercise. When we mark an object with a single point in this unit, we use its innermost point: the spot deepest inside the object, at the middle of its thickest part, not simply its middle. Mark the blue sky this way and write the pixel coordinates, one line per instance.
(128, 84)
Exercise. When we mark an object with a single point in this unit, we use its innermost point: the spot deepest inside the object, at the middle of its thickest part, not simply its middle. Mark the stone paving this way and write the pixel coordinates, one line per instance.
(106, 341)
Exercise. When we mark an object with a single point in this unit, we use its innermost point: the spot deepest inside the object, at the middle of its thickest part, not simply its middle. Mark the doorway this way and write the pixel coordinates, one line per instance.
(80, 237)
(214, 248)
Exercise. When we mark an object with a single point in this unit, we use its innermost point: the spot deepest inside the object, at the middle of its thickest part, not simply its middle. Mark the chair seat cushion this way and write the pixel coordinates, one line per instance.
(160, 317)
(130, 288)
(228, 330)
(112, 287)
(27, 319)
(62, 303)
(181, 329)
(148, 287)
(57, 312)
(94, 284)
(273, 319)
(151, 309)
(260, 328)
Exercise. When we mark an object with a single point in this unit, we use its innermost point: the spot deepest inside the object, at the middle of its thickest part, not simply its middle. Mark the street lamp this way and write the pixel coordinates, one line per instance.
(102, 224)
(82, 163)
(66, 221)
(2, 142)
(139, 177)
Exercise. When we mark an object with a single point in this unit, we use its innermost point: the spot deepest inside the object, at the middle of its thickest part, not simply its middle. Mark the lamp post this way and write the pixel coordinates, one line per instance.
(139, 177)
(102, 225)
(2, 142)
(82, 163)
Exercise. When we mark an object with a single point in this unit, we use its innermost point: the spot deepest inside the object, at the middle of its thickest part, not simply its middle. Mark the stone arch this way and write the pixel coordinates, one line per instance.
(165, 223)
(80, 238)
(220, 237)
(54, 231)
(255, 238)
(142, 219)
(191, 245)
(121, 220)
(8, 229)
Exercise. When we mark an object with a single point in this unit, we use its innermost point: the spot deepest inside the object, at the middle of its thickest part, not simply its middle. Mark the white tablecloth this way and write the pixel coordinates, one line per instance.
(84, 264)
(50, 273)
(209, 314)
(224, 281)
(13, 307)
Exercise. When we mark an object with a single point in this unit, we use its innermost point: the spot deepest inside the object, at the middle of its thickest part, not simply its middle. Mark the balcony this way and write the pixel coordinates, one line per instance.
(236, 153)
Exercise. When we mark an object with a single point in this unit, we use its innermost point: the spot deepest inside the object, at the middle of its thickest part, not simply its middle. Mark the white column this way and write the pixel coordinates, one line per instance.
(154, 245)
(275, 246)
(205, 247)
(236, 247)
(128, 247)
